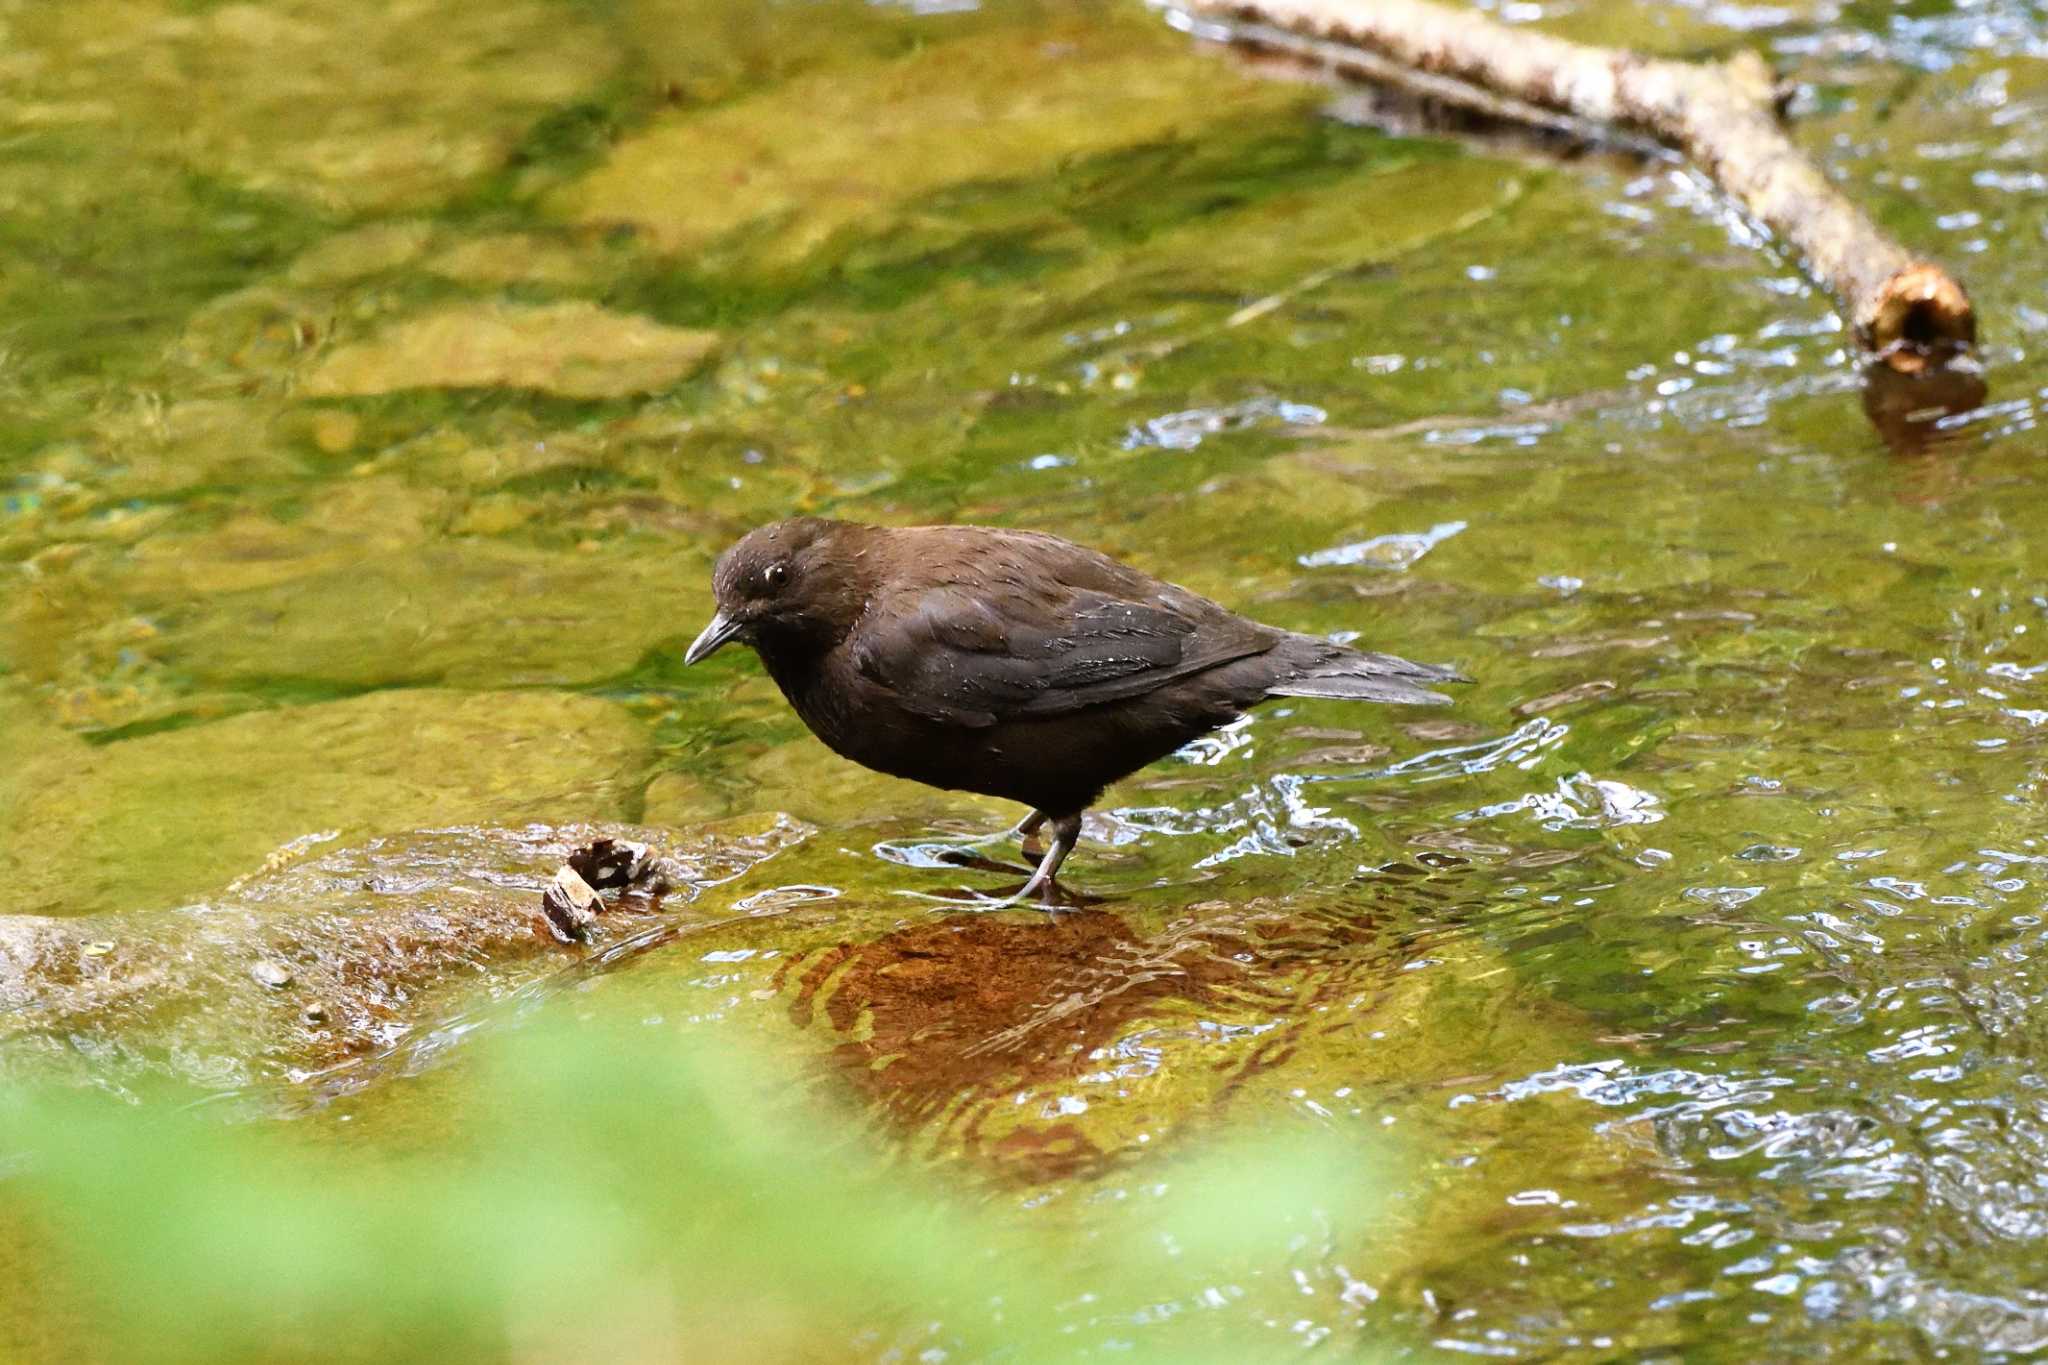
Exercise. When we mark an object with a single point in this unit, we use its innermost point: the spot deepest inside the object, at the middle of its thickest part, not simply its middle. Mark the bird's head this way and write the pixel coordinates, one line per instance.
(794, 584)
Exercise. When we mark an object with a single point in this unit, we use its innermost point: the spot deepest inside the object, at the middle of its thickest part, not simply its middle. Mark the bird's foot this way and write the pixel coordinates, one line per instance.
(960, 852)
(1053, 897)
(1040, 889)
(968, 898)
(1066, 832)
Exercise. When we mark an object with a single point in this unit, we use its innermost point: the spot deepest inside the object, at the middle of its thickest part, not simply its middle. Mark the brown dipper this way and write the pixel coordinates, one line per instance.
(1011, 663)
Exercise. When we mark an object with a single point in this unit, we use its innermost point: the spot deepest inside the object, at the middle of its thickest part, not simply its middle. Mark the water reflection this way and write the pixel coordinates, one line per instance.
(1911, 412)
(998, 1032)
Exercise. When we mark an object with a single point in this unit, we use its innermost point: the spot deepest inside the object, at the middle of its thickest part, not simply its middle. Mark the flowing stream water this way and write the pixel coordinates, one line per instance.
(384, 379)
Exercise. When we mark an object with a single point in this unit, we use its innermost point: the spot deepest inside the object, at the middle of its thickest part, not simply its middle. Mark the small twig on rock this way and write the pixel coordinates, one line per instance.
(610, 863)
(570, 904)
(1907, 312)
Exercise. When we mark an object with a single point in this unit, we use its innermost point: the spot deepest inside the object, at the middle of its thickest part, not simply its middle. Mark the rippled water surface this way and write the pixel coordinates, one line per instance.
(384, 380)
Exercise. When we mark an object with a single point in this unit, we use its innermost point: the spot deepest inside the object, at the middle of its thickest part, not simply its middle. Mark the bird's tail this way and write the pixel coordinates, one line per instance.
(1341, 674)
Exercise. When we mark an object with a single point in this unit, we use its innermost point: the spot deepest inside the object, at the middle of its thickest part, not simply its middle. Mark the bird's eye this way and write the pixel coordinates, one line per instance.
(775, 575)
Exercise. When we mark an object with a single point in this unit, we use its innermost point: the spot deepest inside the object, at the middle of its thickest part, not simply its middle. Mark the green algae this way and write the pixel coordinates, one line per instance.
(160, 816)
(1708, 907)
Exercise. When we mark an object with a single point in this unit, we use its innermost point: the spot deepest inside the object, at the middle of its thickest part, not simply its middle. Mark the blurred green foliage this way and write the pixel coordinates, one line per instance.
(594, 1191)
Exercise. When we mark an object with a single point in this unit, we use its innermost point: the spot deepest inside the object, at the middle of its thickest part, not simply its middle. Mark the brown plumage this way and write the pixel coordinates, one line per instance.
(1011, 663)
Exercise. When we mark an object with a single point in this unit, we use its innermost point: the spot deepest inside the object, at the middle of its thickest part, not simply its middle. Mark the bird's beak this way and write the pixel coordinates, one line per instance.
(714, 637)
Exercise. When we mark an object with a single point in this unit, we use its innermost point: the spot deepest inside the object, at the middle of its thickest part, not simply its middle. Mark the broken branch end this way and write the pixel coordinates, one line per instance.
(1919, 318)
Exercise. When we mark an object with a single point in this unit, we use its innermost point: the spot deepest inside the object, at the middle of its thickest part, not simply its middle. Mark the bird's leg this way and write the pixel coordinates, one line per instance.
(1023, 829)
(1066, 831)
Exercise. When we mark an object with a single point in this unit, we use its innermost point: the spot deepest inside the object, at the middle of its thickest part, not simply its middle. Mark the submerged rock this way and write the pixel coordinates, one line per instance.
(321, 959)
(151, 819)
(513, 258)
(419, 614)
(577, 350)
(365, 251)
(803, 777)
(856, 148)
(358, 107)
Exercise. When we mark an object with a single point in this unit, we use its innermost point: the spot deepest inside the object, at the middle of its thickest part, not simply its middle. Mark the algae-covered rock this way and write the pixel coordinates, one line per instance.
(394, 102)
(474, 614)
(1110, 335)
(577, 350)
(328, 952)
(371, 250)
(30, 742)
(97, 625)
(677, 798)
(856, 148)
(809, 781)
(707, 50)
(340, 524)
(148, 820)
(512, 258)
(352, 593)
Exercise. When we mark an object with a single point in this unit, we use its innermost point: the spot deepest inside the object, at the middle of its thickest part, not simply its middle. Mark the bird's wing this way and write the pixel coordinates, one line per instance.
(977, 656)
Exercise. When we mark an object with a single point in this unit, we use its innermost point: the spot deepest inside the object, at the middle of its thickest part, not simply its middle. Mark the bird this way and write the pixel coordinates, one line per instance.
(1012, 663)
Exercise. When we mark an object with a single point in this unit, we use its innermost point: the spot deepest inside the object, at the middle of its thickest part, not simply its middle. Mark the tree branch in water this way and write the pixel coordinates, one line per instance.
(1908, 312)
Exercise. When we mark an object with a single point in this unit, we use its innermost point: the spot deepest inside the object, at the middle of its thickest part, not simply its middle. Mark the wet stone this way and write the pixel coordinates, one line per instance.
(512, 258)
(843, 149)
(175, 812)
(382, 936)
(275, 975)
(419, 613)
(805, 779)
(679, 798)
(366, 251)
(576, 350)
(385, 104)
